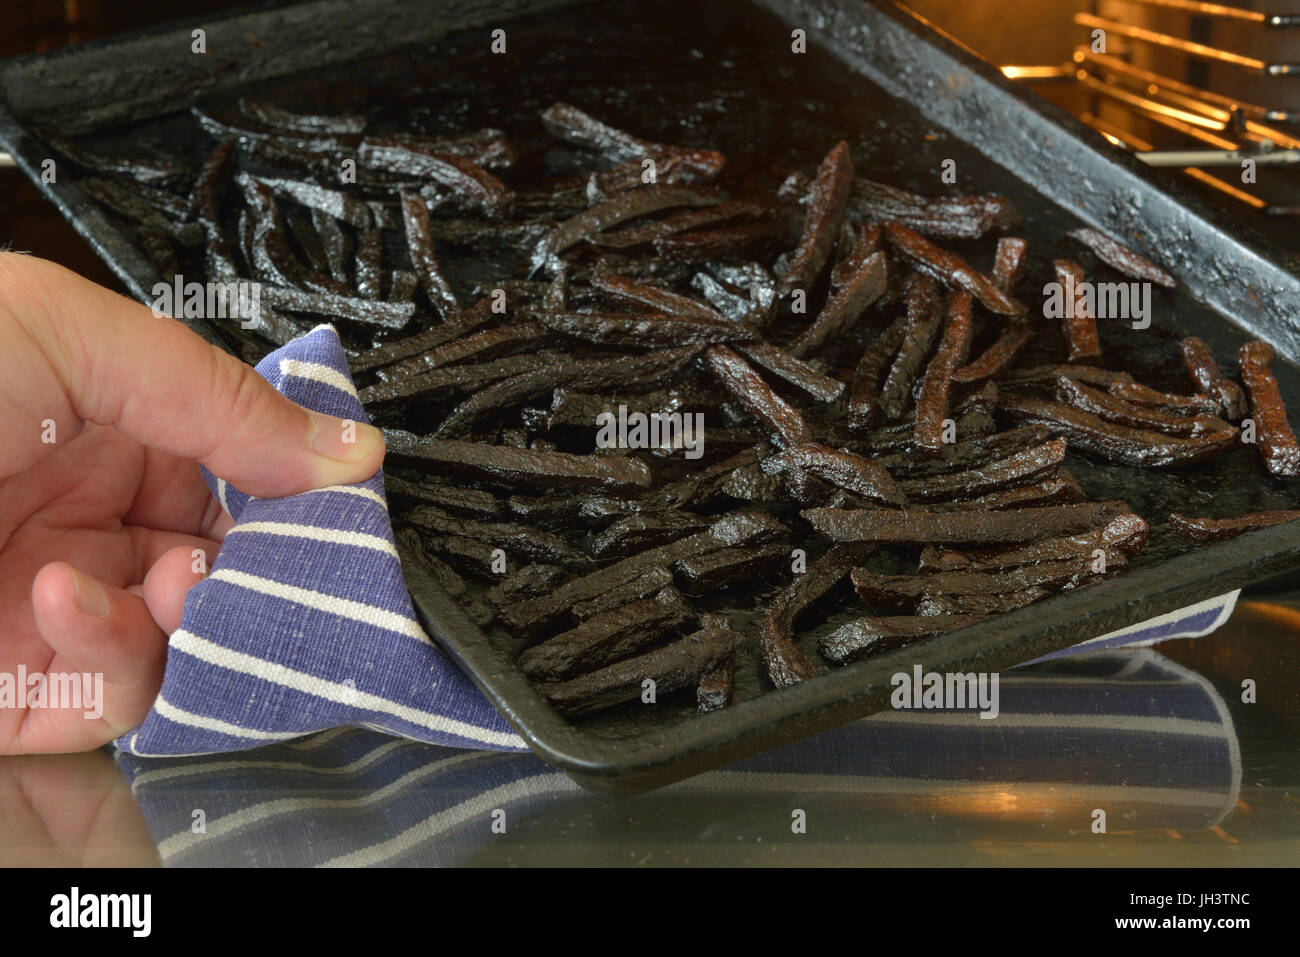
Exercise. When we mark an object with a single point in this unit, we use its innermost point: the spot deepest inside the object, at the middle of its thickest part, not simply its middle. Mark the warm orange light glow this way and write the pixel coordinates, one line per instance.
(1172, 43)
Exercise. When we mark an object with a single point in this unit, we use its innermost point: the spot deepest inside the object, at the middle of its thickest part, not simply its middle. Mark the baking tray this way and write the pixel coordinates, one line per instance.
(723, 75)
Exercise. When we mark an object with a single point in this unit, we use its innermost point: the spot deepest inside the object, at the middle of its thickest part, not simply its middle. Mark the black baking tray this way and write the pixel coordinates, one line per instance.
(723, 75)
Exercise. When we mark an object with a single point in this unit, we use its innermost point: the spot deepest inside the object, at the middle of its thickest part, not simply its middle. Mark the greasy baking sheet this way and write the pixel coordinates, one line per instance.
(722, 75)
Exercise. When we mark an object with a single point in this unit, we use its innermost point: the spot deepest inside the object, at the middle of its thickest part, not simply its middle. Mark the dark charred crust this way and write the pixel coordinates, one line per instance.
(1203, 531)
(1276, 440)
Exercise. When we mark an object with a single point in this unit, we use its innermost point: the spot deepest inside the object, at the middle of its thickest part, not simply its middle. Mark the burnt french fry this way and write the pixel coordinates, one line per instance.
(966, 454)
(1049, 374)
(580, 410)
(487, 147)
(739, 378)
(1060, 489)
(268, 114)
(826, 202)
(921, 526)
(871, 636)
(329, 201)
(272, 257)
(632, 205)
(515, 467)
(1088, 433)
(785, 663)
(674, 666)
(958, 217)
(335, 243)
(390, 315)
(470, 502)
(419, 245)
(578, 374)
(1179, 405)
(936, 385)
(1205, 373)
(716, 685)
(1276, 440)
(1120, 258)
(698, 488)
(529, 544)
(470, 555)
(483, 344)
(999, 356)
(865, 243)
(989, 477)
(793, 370)
(657, 298)
(644, 329)
(150, 171)
(734, 528)
(402, 285)
(1008, 268)
(1112, 408)
(568, 123)
(845, 470)
(695, 219)
(447, 169)
(645, 530)
(651, 582)
(1203, 531)
(1126, 533)
(240, 126)
(845, 307)
(391, 353)
(450, 380)
(605, 638)
(728, 567)
(739, 241)
(950, 269)
(864, 389)
(370, 262)
(732, 305)
(905, 591)
(412, 543)
(1078, 323)
(924, 319)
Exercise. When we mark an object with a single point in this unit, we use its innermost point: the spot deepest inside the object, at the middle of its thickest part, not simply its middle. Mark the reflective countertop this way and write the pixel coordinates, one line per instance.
(1141, 757)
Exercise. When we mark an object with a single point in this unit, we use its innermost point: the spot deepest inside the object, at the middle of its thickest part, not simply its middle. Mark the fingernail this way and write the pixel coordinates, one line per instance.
(89, 595)
(342, 440)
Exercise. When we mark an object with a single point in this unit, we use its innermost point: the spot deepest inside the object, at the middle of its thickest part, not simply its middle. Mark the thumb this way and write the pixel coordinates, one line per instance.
(75, 352)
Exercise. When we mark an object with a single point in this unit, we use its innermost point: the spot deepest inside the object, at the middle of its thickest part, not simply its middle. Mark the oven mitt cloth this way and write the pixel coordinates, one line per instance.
(304, 622)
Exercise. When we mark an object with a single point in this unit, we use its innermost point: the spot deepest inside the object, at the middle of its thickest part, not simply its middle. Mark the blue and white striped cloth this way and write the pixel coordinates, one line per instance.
(305, 623)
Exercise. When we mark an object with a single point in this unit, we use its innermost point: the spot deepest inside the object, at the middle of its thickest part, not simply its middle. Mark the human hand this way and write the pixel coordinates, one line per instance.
(106, 412)
(70, 810)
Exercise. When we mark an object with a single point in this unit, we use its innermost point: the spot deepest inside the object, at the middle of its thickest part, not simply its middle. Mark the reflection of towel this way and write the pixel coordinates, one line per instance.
(305, 623)
(1129, 732)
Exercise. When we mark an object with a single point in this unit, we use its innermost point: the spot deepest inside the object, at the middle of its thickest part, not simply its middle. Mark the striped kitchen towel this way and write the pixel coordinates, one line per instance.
(305, 622)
